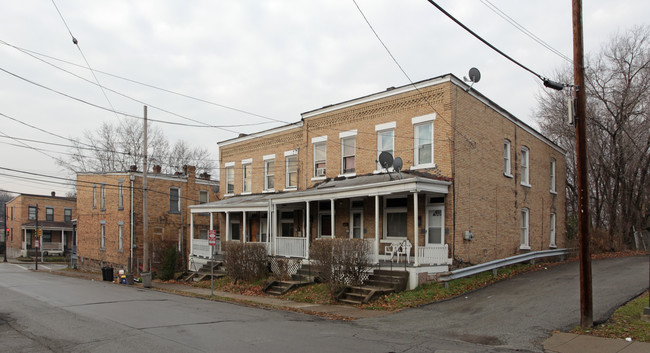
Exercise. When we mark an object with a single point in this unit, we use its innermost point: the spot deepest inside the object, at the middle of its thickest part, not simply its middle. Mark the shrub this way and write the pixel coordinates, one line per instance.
(245, 261)
(341, 262)
(169, 263)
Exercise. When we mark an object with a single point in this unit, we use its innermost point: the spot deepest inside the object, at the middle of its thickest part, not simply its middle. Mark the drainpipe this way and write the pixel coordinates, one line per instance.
(131, 177)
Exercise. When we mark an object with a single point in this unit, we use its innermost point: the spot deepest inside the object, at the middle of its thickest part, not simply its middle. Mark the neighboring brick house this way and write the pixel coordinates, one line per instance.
(55, 215)
(110, 222)
(476, 184)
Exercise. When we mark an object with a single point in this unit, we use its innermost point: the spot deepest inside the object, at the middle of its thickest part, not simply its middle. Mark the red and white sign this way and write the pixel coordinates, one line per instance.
(212, 237)
(36, 245)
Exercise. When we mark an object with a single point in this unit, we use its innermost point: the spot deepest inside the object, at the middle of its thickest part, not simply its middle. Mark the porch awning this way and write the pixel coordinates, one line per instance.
(257, 202)
(48, 225)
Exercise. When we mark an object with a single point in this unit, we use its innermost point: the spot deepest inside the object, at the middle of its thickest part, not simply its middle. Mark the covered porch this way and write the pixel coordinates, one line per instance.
(54, 240)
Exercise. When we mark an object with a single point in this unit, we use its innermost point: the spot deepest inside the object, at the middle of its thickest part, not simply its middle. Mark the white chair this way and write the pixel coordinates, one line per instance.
(404, 248)
(391, 249)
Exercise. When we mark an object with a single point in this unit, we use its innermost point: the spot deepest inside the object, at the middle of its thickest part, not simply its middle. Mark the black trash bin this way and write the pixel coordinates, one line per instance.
(107, 274)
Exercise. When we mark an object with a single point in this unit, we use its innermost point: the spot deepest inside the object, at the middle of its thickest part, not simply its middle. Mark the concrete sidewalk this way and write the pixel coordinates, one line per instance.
(561, 342)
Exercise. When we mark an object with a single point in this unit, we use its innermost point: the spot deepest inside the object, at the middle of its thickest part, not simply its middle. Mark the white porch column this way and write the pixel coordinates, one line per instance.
(376, 228)
(192, 231)
(332, 218)
(415, 228)
(307, 229)
(227, 225)
(62, 239)
(274, 228)
(211, 220)
(244, 225)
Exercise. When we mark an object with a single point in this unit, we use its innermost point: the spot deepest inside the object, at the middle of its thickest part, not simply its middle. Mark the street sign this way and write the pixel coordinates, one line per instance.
(212, 237)
(36, 244)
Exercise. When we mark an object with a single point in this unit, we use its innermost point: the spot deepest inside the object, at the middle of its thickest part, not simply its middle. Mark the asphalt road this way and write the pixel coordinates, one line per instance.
(42, 312)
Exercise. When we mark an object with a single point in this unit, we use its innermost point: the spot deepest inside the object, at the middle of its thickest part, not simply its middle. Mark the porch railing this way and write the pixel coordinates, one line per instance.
(49, 246)
(434, 255)
(201, 248)
(292, 247)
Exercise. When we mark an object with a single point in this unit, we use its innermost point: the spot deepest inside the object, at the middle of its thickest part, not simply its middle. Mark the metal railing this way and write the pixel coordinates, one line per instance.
(494, 265)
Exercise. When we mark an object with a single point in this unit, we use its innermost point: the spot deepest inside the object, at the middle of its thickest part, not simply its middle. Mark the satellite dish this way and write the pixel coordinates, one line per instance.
(385, 160)
(474, 75)
(398, 164)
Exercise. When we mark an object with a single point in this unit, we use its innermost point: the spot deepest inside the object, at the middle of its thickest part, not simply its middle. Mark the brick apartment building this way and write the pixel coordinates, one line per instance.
(475, 184)
(110, 219)
(55, 215)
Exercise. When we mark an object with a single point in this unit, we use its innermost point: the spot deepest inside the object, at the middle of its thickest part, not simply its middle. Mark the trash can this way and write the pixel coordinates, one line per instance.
(129, 279)
(107, 274)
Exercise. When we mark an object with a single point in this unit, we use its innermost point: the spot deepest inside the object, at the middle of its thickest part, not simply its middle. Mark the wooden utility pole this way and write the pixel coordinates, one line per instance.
(5, 225)
(145, 213)
(36, 239)
(586, 295)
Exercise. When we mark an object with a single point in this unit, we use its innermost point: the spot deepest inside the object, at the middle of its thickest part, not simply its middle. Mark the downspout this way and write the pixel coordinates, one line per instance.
(131, 177)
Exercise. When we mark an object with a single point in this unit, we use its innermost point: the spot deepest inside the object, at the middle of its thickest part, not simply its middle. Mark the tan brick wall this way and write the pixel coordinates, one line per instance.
(164, 228)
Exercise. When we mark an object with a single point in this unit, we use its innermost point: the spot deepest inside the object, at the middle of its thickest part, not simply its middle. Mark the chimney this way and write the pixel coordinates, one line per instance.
(53, 193)
(204, 176)
(190, 171)
(157, 169)
(133, 168)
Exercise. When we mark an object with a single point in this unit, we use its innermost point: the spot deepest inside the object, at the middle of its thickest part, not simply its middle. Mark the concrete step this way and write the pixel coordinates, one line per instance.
(350, 301)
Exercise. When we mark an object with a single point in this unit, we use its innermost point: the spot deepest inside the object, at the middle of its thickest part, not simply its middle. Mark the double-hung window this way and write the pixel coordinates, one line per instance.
(385, 140)
(31, 213)
(203, 196)
(291, 165)
(348, 151)
(552, 232)
(395, 214)
(120, 236)
(67, 215)
(103, 197)
(120, 195)
(230, 178)
(94, 196)
(286, 224)
(320, 156)
(553, 175)
(102, 234)
(269, 172)
(525, 166)
(506, 158)
(247, 176)
(49, 214)
(525, 229)
(423, 141)
(174, 200)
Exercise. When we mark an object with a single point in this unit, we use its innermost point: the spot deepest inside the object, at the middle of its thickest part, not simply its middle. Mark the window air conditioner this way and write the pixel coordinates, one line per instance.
(320, 171)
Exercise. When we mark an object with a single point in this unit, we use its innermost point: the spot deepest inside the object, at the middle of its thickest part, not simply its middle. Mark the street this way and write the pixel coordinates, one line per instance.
(43, 312)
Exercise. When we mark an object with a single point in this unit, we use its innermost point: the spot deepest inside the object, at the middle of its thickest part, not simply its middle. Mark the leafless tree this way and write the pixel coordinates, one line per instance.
(618, 134)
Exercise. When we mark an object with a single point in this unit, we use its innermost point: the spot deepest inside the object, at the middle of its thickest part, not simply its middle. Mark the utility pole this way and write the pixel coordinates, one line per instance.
(5, 225)
(146, 276)
(586, 295)
(36, 240)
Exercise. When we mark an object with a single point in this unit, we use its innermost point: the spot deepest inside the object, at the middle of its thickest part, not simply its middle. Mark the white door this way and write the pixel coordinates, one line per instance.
(436, 225)
(356, 226)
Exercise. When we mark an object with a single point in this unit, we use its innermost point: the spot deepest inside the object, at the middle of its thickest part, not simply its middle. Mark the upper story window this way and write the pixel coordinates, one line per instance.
(506, 158)
(230, 178)
(174, 200)
(103, 197)
(552, 232)
(102, 233)
(120, 195)
(67, 215)
(247, 176)
(423, 141)
(94, 196)
(320, 156)
(49, 214)
(203, 196)
(31, 213)
(291, 165)
(348, 151)
(525, 229)
(553, 175)
(385, 139)
(269, 172)
(525, 166)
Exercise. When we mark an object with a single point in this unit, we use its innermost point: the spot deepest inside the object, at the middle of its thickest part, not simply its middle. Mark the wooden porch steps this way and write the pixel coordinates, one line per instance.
(304, 276)
(380, 282)
(204, 272)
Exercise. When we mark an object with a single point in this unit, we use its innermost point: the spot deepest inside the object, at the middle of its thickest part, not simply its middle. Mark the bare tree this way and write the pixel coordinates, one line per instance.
(618, 132)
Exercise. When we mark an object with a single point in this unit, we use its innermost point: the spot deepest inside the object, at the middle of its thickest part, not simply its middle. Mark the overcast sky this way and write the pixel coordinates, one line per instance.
(275, 59)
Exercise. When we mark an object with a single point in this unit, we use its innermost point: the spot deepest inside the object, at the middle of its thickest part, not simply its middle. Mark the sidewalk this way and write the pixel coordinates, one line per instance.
(561, 342)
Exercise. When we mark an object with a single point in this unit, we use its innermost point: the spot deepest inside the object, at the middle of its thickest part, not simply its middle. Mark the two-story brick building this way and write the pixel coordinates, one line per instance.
(51, 214)
(110, 220)
(475, 183)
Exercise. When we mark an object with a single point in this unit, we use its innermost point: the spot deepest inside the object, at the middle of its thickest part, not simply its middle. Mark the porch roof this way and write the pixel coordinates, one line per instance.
(48, 225)
(337, 188)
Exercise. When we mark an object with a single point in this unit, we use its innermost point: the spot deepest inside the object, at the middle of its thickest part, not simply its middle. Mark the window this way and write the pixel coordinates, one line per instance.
(269, 177)
(102, 240)
(395, 215)
(553, 175)
(31, 213)
(385, 143)
(94, 196)
(247, 178)
(348, 154)
(292, 170)
(325, 218)
(67, 215)
(47, 236)
(49, 214)
(356, 219)
(525, 235)
(506, 158)
(120, 236)
(120, 195)
(103, 197)
(320, 157)
(203, 196)
(174, 200)
(525, 171)
(423, 146)
(230, 179)
(552, 232)
(286, 224)
(235, 230)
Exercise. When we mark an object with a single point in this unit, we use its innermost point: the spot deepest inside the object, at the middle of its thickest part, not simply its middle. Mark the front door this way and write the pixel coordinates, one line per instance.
(436, 225)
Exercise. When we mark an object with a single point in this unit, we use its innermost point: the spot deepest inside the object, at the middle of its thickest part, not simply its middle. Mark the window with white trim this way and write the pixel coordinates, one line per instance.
(395, 214)
(174, 200)
(291, 165)
(103, 197)
(525, 229)
(203, 196)
(385, 143)
(120, 194)
(552, 232)
(506, 158)
(320, 159)
(94, 195)
(247, 177)
(525, 166)
(230, 179)
(120, 236)
(348, 154)
(49, 214)
(102, 231)
(423, 144)
(553, 175)
(356, 219)
(31, 213)
(269, 175)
